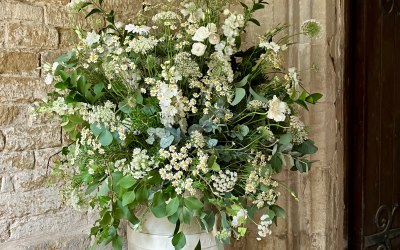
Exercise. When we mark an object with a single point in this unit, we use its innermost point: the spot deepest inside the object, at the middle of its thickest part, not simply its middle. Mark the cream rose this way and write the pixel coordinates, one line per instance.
(198, 49)
(214, 39)
(201, 34)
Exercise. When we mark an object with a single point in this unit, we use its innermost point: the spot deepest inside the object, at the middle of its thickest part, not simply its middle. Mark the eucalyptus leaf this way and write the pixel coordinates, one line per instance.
(240, 93)
(166, 141)
(105, 138)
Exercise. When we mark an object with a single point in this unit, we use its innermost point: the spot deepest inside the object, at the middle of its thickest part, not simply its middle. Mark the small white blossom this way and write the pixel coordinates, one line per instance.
(92, 38)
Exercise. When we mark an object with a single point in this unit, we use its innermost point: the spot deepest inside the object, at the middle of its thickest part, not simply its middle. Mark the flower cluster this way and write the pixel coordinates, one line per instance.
(171, 112)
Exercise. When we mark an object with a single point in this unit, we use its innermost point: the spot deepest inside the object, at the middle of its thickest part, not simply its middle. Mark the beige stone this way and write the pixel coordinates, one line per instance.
(32, 36)
(31, 180)
(68, 38)
(37, 202)
(5, 10)
(6, 184)
(8, 114)
(57, 16)
(23, 161)
(27, 12)
(19, 139)
(46, 2)
(59, 222)
(19, 63)
(4, 230)
(21, 90)
(2, 141)
(2, 35)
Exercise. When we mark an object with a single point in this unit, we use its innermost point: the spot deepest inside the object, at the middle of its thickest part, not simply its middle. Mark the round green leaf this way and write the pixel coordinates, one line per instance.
(240, 93)
(106, 138)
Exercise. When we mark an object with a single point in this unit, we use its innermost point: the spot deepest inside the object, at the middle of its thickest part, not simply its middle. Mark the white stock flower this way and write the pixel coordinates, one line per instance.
(198, 49)
(201, 34)
(277, 109)
(92, 38)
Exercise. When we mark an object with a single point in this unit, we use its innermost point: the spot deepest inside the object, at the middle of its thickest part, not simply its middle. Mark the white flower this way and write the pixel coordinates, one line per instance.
(141, 30)
(277, 109)
(271, 46)
(214, 39)
(92, 38)
(198, 49)
(49, 79)
(201, 34)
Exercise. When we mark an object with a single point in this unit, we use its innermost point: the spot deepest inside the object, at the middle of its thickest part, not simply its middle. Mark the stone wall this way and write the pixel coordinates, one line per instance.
(31, 214)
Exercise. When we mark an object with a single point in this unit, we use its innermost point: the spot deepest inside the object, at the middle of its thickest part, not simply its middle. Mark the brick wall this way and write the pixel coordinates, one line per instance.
(31, 214)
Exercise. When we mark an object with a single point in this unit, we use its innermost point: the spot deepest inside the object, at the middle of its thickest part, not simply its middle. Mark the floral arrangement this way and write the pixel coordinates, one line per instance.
(171, 113)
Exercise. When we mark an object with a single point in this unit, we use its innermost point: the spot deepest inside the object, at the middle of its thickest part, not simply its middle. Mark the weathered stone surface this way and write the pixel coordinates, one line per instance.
(4, 230)
(46, 2)
(32, 36)
(2, 35)
(15, 205)
(27, 12)
(6, 184)
(57, 16)
(59, 222)
(31, 180)
(23, 161)
(68, 38)
(51, 55)
(19, 63)
(2, 141)
(18, 139)
(20, 90)
(8, 114)
(42, 157)
(77, 240)
(5, 10)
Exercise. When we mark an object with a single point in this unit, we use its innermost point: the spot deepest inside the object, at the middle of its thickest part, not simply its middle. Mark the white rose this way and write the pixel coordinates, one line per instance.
(214, 39)
(201, 34)
(92, 38)
(198, 49)
(277, 109)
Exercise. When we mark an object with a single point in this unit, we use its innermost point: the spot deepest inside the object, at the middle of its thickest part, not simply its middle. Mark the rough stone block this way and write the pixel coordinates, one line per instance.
(2, 35)
(32, 36)
(23, 160)
(4, 230)
(13, 89)
(15, 205)
(46, 2)
(16, 161)
(5, 10)
(7, 185)
(2, 141)
(68, 38)
(60, 222)
(51, 55)
(27, 12)
(19, 63)
(60, 17)
(19, 139)
(30, 180)
(42, 157)
(8, 114)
